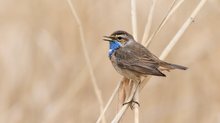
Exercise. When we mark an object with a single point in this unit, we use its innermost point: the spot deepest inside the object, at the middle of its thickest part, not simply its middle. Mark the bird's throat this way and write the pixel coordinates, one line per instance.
(113, 46)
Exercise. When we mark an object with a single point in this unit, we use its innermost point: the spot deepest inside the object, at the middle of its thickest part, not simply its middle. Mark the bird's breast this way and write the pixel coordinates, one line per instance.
(123, 71)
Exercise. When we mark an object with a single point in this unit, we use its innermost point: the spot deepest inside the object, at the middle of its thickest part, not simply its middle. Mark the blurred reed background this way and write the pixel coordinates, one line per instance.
(44, 78)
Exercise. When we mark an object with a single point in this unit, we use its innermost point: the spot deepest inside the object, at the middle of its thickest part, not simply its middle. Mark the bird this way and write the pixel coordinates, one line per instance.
(133, 61)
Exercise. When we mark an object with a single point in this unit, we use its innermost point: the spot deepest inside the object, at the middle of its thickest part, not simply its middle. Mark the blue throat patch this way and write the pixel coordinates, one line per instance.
(113, 46)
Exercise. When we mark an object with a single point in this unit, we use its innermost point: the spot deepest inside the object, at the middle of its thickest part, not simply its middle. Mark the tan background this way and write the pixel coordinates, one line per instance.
(43, 73)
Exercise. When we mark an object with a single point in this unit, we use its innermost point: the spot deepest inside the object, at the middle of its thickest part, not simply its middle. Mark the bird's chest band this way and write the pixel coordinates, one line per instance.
(113, 47)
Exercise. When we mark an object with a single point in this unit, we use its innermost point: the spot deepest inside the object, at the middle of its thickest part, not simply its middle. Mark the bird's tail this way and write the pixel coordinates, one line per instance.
(172, 66)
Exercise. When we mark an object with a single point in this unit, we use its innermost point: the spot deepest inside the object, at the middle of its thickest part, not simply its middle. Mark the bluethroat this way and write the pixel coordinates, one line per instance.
(133, 61)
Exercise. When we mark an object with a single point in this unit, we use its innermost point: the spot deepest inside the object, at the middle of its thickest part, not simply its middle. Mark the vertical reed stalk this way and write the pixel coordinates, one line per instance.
(134, 30)
(134, 19)
(86, 55)
(136, 106)
(182, 30)
(171, 10)
(149, 22)
(109, 102)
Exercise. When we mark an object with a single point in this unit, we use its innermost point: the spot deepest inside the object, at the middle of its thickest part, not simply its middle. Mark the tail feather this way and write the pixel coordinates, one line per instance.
(172, 66)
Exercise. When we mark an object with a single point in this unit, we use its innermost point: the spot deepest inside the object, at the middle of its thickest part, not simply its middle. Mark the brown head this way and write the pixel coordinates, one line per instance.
(119, 36)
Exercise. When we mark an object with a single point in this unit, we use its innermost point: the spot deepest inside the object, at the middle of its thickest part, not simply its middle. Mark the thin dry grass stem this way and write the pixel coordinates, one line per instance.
(171, 10)
(134, 19)
(88, 62)
(166, 51)
(176, 38)
(133, 95)
(144, 82)
(136, 107)
(77, 84)
(149, 22)
(134, 30)
(109, 102)
(124, 90)
(182, 30)
(120, 113)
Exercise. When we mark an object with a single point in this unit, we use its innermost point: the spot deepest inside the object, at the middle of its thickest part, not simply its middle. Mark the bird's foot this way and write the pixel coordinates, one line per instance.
(132, 103)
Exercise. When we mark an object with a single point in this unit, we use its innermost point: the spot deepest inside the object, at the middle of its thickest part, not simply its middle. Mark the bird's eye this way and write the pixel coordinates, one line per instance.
(119, 38)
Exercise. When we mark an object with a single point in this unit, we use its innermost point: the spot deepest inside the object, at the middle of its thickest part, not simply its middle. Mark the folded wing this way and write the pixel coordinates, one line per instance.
(138, 59)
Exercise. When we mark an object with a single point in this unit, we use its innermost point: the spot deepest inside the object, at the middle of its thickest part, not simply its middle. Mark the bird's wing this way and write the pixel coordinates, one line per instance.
(137, 58)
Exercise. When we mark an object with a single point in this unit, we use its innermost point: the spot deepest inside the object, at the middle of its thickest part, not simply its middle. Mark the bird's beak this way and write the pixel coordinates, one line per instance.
(108, 38)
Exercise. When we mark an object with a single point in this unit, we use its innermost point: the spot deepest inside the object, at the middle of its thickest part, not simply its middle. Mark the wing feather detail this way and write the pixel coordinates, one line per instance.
(137, 58)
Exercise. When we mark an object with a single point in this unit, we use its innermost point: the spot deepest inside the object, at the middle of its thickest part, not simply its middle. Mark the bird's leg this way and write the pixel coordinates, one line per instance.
(130, 99)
